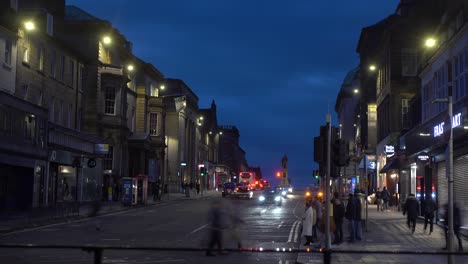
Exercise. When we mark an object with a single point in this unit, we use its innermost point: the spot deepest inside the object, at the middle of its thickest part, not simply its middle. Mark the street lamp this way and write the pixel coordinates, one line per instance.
(106, 40)
(29, 25)
(130, 67)
(450, 232)
(372, 67)
(430, 42)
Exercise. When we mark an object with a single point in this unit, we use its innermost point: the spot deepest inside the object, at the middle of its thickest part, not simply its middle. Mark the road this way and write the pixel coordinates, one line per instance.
(178, 224)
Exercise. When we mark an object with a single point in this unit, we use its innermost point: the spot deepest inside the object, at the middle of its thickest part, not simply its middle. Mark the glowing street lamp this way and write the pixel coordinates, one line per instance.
(107, 40)
(29, 26)
(430, 42)
(162, 87)
(372, 67)
(130, 67)
(356, 91)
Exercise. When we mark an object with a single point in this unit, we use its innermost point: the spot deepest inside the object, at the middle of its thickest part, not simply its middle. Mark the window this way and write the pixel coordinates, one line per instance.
(53, 58)
(8, 46)
(109, 104)
(404, 113)
(82, 78)
(50, 24)
(459, 81)
(409, 62)
(72, 73)
(52, 110)
(61, 68)
(78, 121)
(26, 48)
(29, 127)
(109, 159)
(40, 58)
(25, 91)
(39, 98)
(59, 110)
(154, 124)
(69, 115)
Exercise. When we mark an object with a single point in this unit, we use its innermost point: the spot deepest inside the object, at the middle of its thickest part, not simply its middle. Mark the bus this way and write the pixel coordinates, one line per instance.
(247, 176)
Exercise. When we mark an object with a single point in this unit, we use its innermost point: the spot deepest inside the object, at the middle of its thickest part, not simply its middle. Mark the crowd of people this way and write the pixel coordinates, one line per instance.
(314, 219)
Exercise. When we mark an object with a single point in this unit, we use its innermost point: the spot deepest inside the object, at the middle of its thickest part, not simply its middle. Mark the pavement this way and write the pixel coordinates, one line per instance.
(11, 221)
(387, 231)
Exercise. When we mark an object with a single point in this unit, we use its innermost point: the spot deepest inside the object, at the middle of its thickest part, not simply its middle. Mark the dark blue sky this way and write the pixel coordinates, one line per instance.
(273, 67)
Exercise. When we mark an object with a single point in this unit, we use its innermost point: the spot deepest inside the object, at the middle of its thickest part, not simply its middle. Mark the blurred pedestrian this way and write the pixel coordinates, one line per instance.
(378, 195)
(411, 211)
(358, 216)
(338, 215)
(350, 215)
(317, 205)
(308, 221)
(95, 208)
(429, 209)
(385, 198)
(456, 225)
(197, 186)
(217, 224)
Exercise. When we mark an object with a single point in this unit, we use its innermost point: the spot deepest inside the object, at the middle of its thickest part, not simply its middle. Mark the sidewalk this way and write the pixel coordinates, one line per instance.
(18, 220)
(387, 231)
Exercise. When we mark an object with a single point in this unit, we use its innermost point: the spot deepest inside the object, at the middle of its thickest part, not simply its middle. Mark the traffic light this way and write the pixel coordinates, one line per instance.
(202, 171)
(278, 174)
(340, 155)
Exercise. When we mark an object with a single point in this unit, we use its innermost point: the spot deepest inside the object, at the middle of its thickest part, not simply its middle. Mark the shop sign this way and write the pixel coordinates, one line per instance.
(423, 156)
(91, 163)
(439, 128)
(389, 150)
(101, 149)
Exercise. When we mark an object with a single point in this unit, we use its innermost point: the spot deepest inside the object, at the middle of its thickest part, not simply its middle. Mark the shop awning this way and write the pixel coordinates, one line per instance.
(393, 164)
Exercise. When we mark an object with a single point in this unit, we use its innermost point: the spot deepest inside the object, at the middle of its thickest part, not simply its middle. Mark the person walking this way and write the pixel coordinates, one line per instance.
(358, 216)
(308, 221)
(317, 205)
(217, 223)
(456, 225)
(411, 211)
(429, 209)
(378, 195)
(338, 215)
(385, 198)
(350, 215)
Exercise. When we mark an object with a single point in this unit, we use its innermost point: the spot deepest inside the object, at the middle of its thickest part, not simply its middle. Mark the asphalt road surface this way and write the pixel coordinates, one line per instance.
(177, 224)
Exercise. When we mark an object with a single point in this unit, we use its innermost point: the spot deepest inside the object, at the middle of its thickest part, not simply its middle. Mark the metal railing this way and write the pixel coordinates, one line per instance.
(98, 251)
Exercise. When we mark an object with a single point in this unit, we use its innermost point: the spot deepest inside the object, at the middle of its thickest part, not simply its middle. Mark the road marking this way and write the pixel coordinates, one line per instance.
(50, 229)
(291, 232)
(280, 224)
(111, 239)
(198, 229)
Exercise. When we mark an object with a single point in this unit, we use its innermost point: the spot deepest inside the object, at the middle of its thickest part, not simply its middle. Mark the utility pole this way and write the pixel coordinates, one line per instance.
(450, 232)
(327, 186)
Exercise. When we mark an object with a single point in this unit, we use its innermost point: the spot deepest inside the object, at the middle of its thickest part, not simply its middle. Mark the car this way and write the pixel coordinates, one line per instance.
(282, 191)
(228, 188)
(270, 196)
(243, 190)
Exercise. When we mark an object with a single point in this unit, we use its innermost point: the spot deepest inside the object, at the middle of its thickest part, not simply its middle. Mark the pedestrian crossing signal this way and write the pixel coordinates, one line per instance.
(202, 171)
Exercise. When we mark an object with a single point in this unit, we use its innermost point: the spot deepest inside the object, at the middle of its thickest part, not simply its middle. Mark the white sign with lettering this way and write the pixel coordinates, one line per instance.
(439, 128)
(389, 150)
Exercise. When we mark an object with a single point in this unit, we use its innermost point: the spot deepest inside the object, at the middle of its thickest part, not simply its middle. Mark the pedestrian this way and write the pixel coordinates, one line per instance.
(197, 186)
(456, 225)
(95, 208)
(385, 198)
(317, 205)
(411, 211)
(378, 195)
(338, 215)
(358, 216)
(217, 224)
(308, 221)
(350, 215)
(429, 209)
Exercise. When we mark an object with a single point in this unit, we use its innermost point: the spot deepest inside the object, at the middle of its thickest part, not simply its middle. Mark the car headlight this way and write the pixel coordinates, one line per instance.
(278, 198)
(251, 194)
(261, 198)
(290, 190)
(283, 192)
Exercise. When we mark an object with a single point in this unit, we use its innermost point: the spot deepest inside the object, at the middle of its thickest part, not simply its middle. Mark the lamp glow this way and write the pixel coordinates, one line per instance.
(130, 67)
(107, 40)
(430, 42)
(29, 25)
(372, 68)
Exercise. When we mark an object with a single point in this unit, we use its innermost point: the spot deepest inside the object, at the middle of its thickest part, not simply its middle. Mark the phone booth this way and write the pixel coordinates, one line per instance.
(140, 185)
(127, 191)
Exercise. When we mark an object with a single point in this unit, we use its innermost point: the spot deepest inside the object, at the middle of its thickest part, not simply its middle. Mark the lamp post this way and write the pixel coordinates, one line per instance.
(450, 231)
